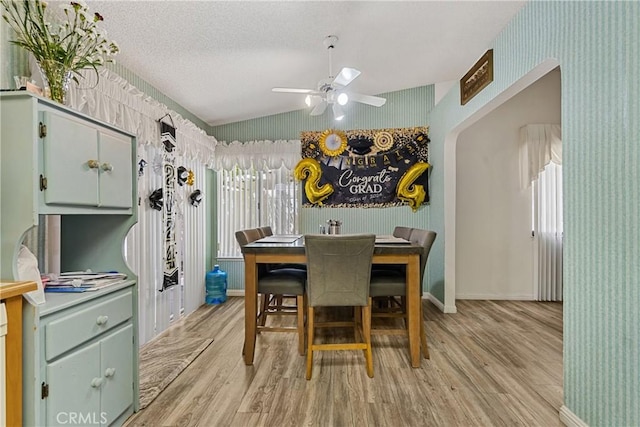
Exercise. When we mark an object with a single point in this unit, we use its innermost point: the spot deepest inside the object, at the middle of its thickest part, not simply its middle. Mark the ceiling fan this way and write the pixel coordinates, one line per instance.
(332, 91)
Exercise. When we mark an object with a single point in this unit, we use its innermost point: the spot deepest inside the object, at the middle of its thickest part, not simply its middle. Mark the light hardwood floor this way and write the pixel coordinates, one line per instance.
(494, 363)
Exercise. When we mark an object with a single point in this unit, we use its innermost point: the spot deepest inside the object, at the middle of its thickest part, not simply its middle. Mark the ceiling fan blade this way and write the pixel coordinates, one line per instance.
(376, 101)
(292, 90)
(346, 76)
(319, 109)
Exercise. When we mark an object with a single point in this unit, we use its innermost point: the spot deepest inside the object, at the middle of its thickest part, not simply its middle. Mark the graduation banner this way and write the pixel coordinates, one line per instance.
(365, 168)
(170, 270)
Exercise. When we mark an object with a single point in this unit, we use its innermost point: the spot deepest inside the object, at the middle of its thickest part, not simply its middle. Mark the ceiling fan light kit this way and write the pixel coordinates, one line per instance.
(332, 91)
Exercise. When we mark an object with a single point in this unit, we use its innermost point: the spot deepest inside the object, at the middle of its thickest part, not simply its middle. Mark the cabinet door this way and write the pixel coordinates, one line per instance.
(116, 355)
(70, 147)
(74, 388)
(115, 170)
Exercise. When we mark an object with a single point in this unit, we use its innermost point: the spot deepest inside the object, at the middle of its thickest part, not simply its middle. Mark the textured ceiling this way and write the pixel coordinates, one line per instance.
(220, 60)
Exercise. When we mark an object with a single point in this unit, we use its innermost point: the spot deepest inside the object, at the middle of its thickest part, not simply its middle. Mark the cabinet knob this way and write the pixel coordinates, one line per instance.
(96, 382)
(109, 372)
(93, 164)
(107, 167)
(102, 320)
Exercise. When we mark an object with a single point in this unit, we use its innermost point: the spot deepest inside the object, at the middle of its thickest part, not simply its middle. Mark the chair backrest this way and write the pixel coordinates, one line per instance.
(402, 232)
(338, 269)
(266, 231)
(424, 238)
(244, 237)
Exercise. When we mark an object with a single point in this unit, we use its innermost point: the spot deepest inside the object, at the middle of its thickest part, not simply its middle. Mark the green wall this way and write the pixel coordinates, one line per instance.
(598, 47)
(403, 108)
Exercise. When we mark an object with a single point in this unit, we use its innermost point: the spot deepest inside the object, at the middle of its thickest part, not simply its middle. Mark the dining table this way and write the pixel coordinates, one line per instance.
(279, 249)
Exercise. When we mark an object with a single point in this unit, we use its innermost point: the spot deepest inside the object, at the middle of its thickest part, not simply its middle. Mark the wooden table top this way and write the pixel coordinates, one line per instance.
(297, 247)
(12, 289)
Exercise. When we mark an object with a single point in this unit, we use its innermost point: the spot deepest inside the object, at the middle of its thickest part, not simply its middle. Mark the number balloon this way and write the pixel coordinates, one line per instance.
(412, 193)
(310, 170)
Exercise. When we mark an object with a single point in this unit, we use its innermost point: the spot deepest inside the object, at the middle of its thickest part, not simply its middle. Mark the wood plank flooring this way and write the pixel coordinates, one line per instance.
(494, 363)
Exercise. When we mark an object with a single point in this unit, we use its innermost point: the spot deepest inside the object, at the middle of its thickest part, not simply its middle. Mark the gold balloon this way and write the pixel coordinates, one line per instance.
(412, 193)
(310, 170)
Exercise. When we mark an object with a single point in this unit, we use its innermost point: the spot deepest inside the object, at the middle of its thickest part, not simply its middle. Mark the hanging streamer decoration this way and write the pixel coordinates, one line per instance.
(170, 260)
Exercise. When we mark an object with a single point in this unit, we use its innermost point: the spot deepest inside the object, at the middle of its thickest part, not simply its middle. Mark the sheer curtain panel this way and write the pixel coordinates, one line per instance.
(247, 198)
(541, 165)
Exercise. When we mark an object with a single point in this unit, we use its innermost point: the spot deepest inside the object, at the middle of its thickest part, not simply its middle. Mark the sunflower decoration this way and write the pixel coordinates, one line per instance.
(333, 142)
(383, 141)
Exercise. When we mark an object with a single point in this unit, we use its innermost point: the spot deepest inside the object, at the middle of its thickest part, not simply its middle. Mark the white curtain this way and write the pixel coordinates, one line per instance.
(541, 165)
(256, 187)
(539, 145)
(259, 155)
(548, 232)
(114, 100)
(248, 198)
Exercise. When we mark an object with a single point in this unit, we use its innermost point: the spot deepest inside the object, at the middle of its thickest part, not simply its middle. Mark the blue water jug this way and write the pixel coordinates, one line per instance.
(216, 286)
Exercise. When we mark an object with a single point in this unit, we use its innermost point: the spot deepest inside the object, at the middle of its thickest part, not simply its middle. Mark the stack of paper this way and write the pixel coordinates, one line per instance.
(81, 281)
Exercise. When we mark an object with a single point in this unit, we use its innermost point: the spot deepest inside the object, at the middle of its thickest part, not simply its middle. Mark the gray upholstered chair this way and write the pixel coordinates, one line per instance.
(265, 231)
(273, 284)
(403, 232)
(338, 272)
(389, 283)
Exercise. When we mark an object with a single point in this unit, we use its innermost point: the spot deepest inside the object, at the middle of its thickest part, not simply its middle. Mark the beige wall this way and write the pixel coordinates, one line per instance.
(493, 215)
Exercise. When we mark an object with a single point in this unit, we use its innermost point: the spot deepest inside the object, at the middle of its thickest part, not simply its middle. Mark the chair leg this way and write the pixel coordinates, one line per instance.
(309, 342)
(366, 330)
(264, 304)
(300, 323)
(357, 327)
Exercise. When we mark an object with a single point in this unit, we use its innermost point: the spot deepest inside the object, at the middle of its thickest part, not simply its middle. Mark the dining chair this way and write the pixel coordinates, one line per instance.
(402, 232)
(265, 231)
(273, 285)
(389, 283)
(338, 272)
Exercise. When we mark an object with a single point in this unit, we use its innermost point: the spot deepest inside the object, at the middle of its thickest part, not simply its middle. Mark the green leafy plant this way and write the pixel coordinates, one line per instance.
(70, 37)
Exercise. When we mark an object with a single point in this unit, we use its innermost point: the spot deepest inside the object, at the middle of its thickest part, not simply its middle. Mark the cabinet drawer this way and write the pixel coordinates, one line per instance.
(67, 332)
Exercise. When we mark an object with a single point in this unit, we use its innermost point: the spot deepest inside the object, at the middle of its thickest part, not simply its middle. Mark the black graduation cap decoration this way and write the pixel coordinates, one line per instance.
(155, 199)
(196, 198)
(183, 174)
(141, 164)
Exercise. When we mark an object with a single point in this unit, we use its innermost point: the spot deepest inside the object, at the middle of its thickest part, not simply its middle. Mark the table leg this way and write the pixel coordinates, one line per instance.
(250, 307)
(413, 308)
(14, 361)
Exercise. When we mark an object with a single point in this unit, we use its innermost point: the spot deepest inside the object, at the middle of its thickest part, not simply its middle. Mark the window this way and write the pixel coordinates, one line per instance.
(250, 198)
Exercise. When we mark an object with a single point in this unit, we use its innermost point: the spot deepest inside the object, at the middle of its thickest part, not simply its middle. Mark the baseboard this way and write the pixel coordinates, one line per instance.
(570, 419)
(443, 308)
(496, 297)
(235, 292)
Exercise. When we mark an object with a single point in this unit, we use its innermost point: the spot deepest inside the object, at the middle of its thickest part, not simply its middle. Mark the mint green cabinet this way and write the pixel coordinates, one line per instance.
(80, 350)
(81, 360)
(95, 159)
(57, 161)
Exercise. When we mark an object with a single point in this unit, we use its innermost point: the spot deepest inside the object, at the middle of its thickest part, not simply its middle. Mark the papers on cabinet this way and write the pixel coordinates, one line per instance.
(81, 281)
